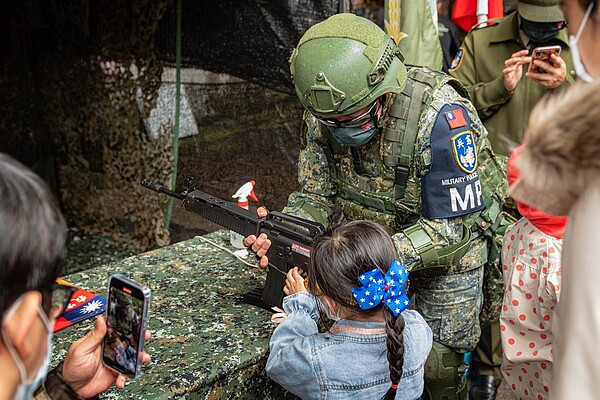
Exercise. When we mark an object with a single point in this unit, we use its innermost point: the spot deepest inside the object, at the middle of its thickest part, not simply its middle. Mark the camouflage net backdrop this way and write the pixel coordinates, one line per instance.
(77, 80)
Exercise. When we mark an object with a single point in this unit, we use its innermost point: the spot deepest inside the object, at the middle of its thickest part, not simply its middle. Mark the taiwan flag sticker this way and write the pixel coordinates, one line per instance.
(83, 305)
(465, 152)
(455, 118)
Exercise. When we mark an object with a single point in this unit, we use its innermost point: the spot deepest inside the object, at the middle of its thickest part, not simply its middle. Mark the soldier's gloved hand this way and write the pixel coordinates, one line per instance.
(555, 73)
(261, 244)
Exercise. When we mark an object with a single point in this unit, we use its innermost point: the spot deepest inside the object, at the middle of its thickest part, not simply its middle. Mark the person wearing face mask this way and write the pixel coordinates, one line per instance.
(562, 157)
(494, 64)
(32, 248)
(402, 146)
(584, 33)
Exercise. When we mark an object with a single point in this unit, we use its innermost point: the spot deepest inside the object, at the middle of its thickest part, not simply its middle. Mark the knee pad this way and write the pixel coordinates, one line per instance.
(445, 374)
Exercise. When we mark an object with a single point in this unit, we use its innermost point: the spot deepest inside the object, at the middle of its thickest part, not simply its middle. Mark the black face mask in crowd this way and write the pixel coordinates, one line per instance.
(541, 32)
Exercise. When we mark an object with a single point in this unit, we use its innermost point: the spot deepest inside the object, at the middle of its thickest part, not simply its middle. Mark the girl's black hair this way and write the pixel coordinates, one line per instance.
(340, 255)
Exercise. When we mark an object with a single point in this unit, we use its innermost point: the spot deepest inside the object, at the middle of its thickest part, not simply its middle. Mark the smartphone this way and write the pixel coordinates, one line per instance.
(543, 54)
(126, 321)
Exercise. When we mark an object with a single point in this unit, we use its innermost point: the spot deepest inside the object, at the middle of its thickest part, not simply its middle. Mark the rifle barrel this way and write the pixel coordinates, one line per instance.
(161, 189)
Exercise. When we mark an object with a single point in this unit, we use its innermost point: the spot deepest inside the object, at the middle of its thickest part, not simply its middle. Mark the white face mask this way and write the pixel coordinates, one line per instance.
(26, 388)
(582, 73)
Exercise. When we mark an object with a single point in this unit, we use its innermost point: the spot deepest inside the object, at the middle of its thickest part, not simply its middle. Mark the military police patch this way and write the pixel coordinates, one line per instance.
(465, 153)
(451, 187)
(457, 59)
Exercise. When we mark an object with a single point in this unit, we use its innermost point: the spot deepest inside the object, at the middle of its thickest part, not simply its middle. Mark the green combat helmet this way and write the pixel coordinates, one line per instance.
(343, 64)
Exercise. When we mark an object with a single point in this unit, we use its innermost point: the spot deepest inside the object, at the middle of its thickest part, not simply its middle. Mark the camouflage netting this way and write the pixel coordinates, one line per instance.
(250, 39)
(77, 80)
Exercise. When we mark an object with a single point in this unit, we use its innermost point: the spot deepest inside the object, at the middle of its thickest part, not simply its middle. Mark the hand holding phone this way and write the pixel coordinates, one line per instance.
(126, 319)
(543, 54)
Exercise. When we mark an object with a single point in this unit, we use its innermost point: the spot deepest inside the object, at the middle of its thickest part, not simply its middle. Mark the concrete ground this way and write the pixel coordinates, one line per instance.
(505, 393)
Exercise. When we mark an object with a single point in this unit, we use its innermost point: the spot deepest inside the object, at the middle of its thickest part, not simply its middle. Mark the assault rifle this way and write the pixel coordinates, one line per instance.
(291, 237)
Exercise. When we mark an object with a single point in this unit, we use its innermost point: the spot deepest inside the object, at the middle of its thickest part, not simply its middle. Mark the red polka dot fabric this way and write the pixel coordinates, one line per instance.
(531, 269)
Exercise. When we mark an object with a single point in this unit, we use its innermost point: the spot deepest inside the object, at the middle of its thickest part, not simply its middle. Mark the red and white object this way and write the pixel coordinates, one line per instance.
(245, 191)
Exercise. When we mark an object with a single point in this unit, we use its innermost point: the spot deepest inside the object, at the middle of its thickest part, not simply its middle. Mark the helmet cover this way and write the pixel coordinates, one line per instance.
(343, 64)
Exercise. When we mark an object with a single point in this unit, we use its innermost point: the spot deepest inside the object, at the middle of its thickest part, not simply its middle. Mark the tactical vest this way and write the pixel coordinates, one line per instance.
(391, 198)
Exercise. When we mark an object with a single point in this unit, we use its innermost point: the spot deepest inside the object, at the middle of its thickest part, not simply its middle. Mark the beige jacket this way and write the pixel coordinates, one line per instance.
(561, 175)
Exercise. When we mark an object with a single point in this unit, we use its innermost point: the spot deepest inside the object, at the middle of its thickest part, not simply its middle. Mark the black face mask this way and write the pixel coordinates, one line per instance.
(541, 32)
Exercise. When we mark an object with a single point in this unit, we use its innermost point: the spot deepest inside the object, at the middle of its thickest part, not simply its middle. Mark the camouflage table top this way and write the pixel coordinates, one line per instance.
(206, 343)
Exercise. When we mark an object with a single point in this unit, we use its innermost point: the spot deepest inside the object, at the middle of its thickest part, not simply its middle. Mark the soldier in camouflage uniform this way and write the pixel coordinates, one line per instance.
(403, 147)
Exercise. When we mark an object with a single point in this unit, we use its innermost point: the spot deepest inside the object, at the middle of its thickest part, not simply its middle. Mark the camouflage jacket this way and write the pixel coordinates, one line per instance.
(55, 387)
(334, 177)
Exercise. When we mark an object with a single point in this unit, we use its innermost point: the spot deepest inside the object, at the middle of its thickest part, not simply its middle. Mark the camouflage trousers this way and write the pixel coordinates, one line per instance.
(451, 304)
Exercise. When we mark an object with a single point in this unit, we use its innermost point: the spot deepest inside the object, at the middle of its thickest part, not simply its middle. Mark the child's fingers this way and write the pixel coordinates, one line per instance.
(298, 279)
(289, 282)
(294, 282)
(290, 276)
(296, 274)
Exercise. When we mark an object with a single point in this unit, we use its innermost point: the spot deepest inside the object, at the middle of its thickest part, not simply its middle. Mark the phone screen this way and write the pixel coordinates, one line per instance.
(544, 54)
(123, 340)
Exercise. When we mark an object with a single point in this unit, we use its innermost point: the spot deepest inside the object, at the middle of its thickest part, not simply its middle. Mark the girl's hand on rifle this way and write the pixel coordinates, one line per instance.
(294, 282)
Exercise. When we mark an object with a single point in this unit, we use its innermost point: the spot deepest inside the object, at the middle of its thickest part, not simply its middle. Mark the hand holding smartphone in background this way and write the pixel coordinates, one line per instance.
(126, 320)
(543, 54)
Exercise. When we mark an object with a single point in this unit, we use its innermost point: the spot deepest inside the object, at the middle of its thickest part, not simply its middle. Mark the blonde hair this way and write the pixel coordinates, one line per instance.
(562, 154)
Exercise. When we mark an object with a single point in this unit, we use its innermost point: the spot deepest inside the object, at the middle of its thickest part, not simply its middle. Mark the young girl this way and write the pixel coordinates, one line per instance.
(531, 254)
(376, 348)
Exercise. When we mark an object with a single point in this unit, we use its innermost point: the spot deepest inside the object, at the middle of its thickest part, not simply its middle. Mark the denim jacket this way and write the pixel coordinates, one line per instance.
(349, 361)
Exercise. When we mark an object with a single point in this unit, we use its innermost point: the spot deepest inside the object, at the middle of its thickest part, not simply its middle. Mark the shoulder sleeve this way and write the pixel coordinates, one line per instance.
(314, 201)
(450, 190)
(314, 174)
(451, 187)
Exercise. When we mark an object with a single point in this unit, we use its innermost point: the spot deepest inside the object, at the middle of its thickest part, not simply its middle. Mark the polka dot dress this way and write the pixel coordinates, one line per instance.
(531, 268)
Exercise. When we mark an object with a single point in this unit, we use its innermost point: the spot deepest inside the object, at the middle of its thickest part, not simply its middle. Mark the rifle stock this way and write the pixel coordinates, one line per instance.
(291, 237)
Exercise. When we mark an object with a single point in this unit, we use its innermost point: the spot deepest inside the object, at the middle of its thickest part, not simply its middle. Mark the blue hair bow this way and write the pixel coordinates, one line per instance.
(388, 288)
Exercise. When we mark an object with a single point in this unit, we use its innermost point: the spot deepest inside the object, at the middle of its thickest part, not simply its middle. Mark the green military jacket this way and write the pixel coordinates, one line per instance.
(478, 65)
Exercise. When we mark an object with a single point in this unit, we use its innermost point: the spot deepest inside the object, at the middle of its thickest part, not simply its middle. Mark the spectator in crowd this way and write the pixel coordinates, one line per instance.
(532, 280)
(402, 147)
(370, 9)
(32, 248)
(354, 276)
(562, 164)
(493, 63)
(451, 37)
(562, 155)
(584, 32)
